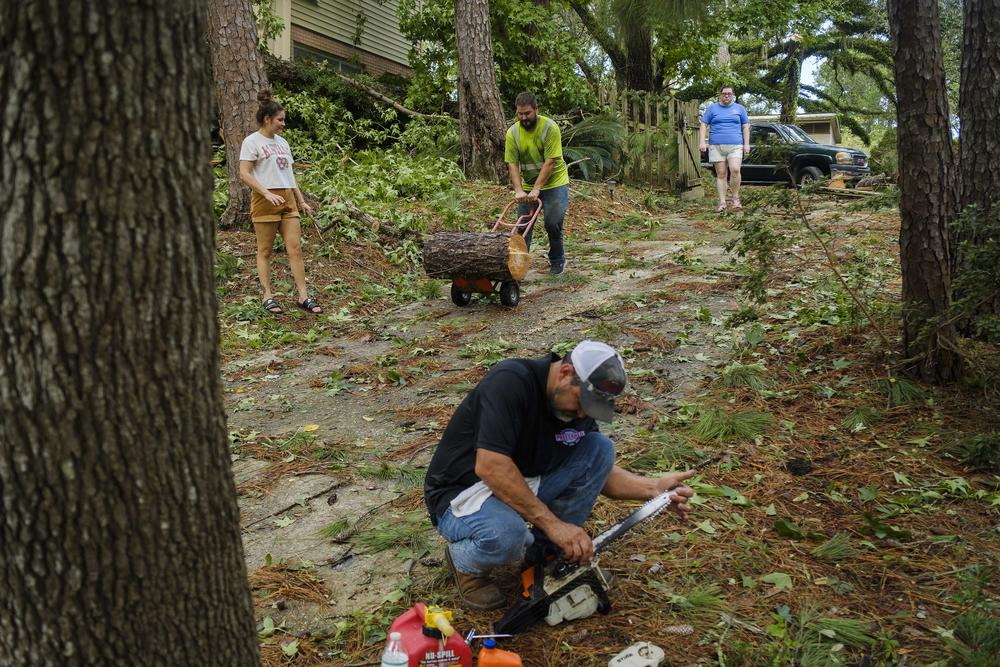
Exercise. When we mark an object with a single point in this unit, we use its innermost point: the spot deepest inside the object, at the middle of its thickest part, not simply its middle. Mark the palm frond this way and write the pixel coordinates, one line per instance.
(599, 140)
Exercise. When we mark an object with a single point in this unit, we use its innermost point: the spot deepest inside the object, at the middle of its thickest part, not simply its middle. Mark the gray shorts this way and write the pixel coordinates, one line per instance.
(724, 152)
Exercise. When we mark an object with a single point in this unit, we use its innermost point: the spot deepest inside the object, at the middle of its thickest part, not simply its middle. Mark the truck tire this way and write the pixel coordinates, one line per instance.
(809, 175)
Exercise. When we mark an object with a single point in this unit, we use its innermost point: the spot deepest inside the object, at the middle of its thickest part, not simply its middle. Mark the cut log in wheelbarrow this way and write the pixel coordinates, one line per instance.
(483, 262)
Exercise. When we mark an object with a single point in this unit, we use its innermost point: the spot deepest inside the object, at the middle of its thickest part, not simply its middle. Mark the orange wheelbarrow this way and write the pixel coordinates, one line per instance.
(510, 291)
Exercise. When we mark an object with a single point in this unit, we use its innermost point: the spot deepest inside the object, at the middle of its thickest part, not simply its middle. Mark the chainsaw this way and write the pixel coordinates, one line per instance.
(560, 590)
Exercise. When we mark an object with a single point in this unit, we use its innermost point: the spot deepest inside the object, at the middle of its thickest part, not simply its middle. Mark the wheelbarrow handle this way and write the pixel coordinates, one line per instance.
(527, 220)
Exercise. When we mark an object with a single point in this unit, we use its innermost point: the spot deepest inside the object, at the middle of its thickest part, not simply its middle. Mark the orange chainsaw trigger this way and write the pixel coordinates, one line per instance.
(527, 580)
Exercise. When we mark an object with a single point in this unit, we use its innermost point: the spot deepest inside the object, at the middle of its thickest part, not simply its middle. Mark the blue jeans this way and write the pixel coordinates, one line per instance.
(555, 202)
(497, 535)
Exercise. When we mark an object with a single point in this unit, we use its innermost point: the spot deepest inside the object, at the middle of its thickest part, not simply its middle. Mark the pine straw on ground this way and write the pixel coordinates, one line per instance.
(287, 581)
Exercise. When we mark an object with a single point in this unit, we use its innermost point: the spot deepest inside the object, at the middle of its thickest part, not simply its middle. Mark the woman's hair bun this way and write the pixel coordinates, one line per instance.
(264, 95)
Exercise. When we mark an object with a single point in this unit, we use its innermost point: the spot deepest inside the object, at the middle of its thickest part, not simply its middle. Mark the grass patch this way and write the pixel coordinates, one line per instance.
(861, 418)
(405, 474)
(835, 549)
(408, 536)
(666, 452)
(979, 452)
(751, 376)
(697, 601)
(900, 391)
(338, 530)
(486, 352)
(718, 425)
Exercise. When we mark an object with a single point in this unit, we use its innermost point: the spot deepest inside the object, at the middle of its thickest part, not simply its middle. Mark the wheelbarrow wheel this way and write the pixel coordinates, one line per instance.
(460, 297)
(510, 293)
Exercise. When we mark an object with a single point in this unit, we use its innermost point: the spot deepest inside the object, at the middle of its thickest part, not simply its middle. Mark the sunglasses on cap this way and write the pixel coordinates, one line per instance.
(607, 389)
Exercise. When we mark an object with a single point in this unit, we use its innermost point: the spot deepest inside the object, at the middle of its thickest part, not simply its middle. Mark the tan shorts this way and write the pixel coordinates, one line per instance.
(262, 210)
(724, 152)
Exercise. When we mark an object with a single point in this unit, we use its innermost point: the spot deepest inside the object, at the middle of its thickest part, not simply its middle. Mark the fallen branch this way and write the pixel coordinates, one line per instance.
(855, 194)
(354, 213)
(388, 100)
(332, 487)
(832, 263)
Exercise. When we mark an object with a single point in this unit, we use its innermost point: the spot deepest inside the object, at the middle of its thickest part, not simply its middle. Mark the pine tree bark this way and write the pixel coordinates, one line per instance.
(980, 139)
(926, 204)
(238, 71)
(480, 119)
(119, 529)
(979, 146)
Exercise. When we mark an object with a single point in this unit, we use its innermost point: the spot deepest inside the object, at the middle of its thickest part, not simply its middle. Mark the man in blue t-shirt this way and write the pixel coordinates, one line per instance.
(523, 447)
(728, 141)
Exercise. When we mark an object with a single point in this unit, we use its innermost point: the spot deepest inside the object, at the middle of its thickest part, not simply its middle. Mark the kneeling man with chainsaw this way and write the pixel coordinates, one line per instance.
(524, 448)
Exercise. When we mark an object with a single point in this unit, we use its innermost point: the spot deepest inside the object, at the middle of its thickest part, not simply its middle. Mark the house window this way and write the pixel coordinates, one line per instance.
(302, 52)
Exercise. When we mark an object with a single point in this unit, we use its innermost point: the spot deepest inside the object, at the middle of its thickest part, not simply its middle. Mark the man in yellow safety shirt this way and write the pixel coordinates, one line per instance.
(534, 159)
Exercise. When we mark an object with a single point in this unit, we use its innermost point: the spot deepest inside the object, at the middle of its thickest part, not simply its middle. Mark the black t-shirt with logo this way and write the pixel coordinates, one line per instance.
(508, 412)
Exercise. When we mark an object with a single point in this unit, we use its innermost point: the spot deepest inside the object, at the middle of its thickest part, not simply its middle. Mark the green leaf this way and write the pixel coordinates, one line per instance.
(840, 364)
(291, 649)
(802, 496)
(786, 528)
(901, 478)
(706, 526)
(394, 596)
(284, 521)
(735, 496)
(780, 580)
(748, 581)
(770, 510)
(868, 493)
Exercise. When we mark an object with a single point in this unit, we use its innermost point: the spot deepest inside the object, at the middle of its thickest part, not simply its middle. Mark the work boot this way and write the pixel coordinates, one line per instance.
(475, 592)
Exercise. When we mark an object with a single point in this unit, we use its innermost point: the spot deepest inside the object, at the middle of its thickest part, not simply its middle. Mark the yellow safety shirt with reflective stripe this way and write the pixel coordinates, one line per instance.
(529, 149)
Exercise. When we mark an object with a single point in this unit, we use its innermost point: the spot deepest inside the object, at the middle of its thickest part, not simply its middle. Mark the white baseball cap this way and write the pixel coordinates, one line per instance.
(602, 378)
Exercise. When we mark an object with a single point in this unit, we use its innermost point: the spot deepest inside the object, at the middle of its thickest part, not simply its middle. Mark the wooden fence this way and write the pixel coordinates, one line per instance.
(662, 135)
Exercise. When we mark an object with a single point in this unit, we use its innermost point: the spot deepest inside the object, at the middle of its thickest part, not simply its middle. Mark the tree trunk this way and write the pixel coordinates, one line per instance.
(480, 120)
(495, 255)
(793, 77)
(980, 141)
(639, 57)
(119, 540)
(979, 150)
(238, 71)
(926, 193)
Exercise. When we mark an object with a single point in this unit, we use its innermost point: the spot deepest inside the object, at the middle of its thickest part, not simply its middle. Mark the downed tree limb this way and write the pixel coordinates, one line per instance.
(354, 213)
(388, 100)
(852, 194)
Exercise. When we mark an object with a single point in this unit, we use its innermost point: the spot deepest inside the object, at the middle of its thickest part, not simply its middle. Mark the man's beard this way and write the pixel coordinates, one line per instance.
(529, 124)
(564, 416)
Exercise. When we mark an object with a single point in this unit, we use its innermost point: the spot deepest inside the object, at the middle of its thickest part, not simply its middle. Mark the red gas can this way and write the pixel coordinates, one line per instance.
(429, 638)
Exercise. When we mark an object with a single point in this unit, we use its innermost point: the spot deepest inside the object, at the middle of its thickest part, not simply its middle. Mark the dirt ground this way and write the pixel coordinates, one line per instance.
(334, 418)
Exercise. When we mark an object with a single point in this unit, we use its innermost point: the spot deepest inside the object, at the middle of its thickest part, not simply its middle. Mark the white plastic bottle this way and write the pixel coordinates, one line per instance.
(395, 654)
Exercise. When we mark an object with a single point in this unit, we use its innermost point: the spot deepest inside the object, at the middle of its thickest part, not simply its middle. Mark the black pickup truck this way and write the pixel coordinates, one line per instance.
(784, 153)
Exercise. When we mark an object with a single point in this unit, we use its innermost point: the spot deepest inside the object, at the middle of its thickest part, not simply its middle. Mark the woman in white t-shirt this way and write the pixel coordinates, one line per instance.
(266, 167)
